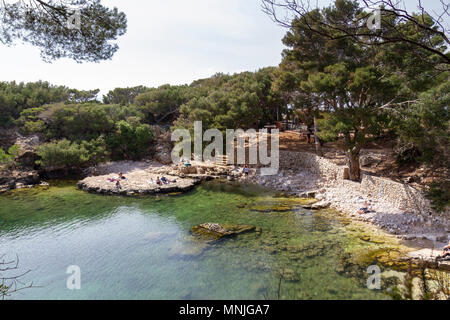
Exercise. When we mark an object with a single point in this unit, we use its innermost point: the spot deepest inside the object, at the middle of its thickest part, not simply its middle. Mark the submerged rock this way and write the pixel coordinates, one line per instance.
(271, 208)
(186, 251)
(217, 231)
(289, 275)
(320, 205)
(158, 236)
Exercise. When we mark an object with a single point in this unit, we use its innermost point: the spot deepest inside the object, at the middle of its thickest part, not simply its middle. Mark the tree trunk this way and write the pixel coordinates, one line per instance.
(316, 140)
(353, 166)
(287, 119)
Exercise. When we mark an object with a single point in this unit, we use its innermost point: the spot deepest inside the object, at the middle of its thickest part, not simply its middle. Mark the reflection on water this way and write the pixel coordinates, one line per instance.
(142, 248)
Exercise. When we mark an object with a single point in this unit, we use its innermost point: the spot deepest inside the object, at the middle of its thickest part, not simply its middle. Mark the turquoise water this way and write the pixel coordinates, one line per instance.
(142, 248)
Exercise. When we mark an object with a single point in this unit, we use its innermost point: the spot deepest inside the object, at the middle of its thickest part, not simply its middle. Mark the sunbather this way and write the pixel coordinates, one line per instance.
(445, 253)
(366, 208)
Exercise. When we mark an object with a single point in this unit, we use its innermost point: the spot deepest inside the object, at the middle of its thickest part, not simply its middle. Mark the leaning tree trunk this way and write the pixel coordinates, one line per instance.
(354, 170)
(316, 140)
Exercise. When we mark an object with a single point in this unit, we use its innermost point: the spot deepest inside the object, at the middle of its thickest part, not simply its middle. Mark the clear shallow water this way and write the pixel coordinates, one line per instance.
(142, 248)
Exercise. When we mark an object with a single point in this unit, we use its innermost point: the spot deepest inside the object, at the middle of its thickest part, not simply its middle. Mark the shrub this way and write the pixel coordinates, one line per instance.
(131, 140)
(97, 150)
(7, 158)
(439, 195)
(62, 154)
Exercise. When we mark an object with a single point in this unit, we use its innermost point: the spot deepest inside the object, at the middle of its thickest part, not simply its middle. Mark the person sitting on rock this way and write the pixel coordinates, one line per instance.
(364, 209)
(164, 180)
(118, 184)
(121, 176)
(445, 253)
(158, 181)
(187, 163)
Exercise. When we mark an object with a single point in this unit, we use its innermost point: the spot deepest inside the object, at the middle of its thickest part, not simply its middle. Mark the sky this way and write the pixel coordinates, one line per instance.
(174, 42)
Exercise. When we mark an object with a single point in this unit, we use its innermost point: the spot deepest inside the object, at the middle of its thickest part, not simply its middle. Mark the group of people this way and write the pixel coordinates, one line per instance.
(161, 181)
(186, 162)
(117, 180)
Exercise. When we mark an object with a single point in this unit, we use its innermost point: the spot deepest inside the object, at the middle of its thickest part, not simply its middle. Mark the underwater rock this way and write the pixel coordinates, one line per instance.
(270, 250)
(217, 231)
(320, 205)
(346, 265)
(180, 250)
(289, 275)
(271, 208)
(158, 236)
(372, 240)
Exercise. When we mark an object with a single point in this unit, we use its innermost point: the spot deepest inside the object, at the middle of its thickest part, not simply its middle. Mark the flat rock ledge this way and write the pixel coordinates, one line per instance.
(140, 177)
(137, 185)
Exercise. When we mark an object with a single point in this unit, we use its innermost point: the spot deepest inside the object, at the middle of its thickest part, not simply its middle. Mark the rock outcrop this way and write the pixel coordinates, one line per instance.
(18, 179)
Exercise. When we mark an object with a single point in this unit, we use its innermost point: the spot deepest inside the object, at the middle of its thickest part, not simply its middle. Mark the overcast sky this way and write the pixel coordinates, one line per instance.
(174, 42)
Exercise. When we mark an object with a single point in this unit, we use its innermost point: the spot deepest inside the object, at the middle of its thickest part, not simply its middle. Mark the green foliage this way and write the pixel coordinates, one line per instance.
(30, 121)
(81, 96)
(7, 158)
(14, 150)
(4, 290)
(162, 104)
(356, 83)
(424, 126)
(240, 101)
(97, 150)
(123, 96)
(4, 157)
(15, 98)
(130, 140)
(43, 24)
(61, 154)
(78, 122)
(439, 195)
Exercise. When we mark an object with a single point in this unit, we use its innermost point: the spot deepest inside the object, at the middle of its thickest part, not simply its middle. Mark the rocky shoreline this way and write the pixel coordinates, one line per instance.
(325, 188)
(19, 179)
(426, 232)
(408, 225)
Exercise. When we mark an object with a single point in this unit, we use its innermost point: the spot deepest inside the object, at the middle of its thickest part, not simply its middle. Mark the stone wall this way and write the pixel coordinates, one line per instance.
(310, 161)
(400, 195)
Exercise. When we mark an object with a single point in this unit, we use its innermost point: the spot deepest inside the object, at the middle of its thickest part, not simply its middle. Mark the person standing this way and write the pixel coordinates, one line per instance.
(245, 170)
